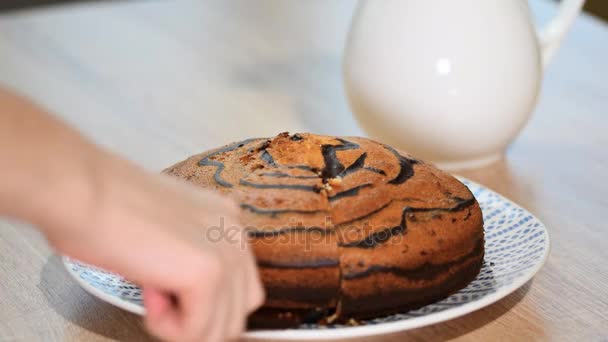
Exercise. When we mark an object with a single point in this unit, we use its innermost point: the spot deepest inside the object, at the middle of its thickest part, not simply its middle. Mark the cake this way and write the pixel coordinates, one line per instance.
(345, 228)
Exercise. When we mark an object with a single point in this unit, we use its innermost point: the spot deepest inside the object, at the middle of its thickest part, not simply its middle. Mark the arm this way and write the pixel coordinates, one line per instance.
(101, 209)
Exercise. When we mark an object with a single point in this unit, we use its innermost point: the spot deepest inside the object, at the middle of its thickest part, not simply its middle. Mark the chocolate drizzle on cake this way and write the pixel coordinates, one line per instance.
(333, 166)
(279, 186)
(384, 235)
(350, 192)
(296, 137)
(406, 165)
(289, 184)
(286, 175)
(287, 230)
(275, 212)
(267, 158)
(355, 166)
(426, 271)
(220, 165)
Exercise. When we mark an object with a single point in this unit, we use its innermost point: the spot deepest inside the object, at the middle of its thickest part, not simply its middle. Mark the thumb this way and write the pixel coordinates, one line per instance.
(162, 314)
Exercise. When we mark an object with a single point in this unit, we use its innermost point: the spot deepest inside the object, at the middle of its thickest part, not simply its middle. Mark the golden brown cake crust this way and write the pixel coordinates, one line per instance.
(346, 224)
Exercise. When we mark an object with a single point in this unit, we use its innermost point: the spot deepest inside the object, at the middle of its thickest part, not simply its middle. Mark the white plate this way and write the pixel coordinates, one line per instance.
(516, 247)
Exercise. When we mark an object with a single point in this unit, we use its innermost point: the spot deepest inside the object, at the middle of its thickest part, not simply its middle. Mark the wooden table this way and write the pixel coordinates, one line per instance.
(160, 80)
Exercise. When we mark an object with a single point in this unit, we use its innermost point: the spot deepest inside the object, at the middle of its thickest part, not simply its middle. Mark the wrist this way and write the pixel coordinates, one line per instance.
(68, 199)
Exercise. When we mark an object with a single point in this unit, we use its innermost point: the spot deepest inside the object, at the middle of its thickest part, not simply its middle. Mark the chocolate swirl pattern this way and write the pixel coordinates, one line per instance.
(217, 176)
(345, 227)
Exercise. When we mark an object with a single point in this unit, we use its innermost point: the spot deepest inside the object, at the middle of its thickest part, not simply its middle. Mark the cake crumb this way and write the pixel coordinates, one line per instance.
(296, 137)
(331, 319)
(257, 167)
(264, 145)
(352, 322)
(337, 181)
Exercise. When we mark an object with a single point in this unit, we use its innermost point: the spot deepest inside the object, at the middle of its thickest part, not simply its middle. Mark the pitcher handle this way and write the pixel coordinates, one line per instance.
(552, 34)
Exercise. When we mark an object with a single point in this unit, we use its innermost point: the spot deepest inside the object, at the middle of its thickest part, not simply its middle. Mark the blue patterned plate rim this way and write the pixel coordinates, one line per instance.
(517, 246)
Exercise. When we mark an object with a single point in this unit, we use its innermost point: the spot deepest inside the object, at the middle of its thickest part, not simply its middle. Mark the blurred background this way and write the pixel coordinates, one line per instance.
(104, 65)
(598, 8)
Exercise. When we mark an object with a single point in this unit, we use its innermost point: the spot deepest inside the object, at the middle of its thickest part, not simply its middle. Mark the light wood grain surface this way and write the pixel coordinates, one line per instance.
(160, 80)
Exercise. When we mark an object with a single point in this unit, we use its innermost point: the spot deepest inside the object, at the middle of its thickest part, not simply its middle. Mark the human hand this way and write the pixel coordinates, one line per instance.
(154, 230)
(184, 246)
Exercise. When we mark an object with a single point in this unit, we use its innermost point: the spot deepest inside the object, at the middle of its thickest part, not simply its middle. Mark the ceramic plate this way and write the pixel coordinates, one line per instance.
(517, 245)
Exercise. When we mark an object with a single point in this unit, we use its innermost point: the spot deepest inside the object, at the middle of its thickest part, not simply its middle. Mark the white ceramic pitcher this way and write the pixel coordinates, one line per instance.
(451, 81)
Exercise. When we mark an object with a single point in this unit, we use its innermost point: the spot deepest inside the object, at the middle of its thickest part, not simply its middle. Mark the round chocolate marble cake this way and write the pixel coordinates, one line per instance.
(344, 228)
